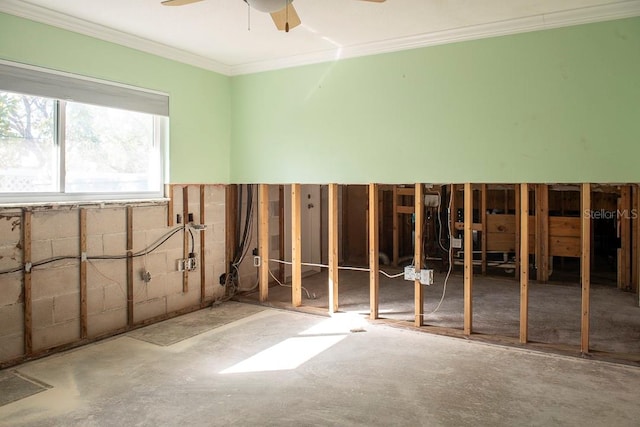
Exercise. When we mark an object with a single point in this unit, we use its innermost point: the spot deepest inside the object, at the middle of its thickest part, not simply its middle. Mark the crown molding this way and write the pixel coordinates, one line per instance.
(60, 20)
(586, 15)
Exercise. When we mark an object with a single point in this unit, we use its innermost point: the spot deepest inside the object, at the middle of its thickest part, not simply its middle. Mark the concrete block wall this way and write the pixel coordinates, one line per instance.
(55, 232)
(11, 290)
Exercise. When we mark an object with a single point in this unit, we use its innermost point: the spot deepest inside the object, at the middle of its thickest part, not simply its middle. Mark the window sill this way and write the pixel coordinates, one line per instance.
(49, 205)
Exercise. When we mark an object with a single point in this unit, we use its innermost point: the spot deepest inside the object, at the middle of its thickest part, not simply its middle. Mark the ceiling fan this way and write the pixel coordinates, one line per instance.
(282, 12)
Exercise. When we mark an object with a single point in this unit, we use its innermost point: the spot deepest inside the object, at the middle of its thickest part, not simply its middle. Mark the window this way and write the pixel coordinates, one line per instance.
(106, 143)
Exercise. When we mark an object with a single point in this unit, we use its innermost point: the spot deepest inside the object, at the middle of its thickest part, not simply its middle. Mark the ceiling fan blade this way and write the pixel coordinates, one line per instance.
(280, 18)
(178, 2)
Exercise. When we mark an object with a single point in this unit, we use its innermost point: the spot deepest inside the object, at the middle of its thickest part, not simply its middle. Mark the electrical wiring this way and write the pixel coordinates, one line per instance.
(446, 279)
(440, 225)
(310, 264)
(289, 286)
(243, 238)
(193, 242)
(122, 291)
(137, 254)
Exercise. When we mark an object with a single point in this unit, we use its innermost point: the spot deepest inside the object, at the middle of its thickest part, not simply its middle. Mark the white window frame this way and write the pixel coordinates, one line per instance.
(160, 135)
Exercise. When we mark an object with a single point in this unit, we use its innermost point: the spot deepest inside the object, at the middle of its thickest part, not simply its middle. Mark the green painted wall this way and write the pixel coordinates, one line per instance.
(560, 105)
(199, 99)
(552, 106)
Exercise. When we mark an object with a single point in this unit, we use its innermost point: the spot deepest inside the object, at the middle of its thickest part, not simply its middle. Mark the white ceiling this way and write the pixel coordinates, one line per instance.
(214, 33)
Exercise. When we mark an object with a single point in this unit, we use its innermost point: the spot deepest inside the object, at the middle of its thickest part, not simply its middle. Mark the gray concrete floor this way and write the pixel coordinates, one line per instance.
(312, 370)
(554, 308)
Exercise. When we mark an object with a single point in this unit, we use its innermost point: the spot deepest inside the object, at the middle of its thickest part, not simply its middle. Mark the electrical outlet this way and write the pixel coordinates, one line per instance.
(188, 264)
(256, 261)
(409, 273)
(146, 276)
(456, 243)
(426, 277)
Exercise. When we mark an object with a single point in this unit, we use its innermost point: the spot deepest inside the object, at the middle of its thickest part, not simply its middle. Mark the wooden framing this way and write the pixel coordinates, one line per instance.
(168, 191)
(333, 248)
(185, 236)
(468, 259)
(585, 266)
(129, 266)
(418, 290)
(263, 241)
(399, 208)
(83, 272)
(281, 267)
(483, 219)
(203, 240)
(374, 282)
(296, 247)
(524, 263)
(564, 237)
(28, 299)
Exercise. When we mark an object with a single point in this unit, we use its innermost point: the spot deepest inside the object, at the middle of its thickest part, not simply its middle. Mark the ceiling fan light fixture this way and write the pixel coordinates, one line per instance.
(268, 5)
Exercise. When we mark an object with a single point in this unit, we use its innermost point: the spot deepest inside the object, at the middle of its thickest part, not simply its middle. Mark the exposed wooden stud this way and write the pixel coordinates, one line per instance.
(418, 289)
(468, 259)
(524, 263)
(296, 247)
(130, 266)
(374, 282)
(185, 236)
(83, 272)
(28, 299)
(483, 219)
(516, 188)
(396, 224)
(281, 267)
(203, 240)
(585, 266)
(333, 248)
(263, 241)
(366, 222)
(168, 191)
